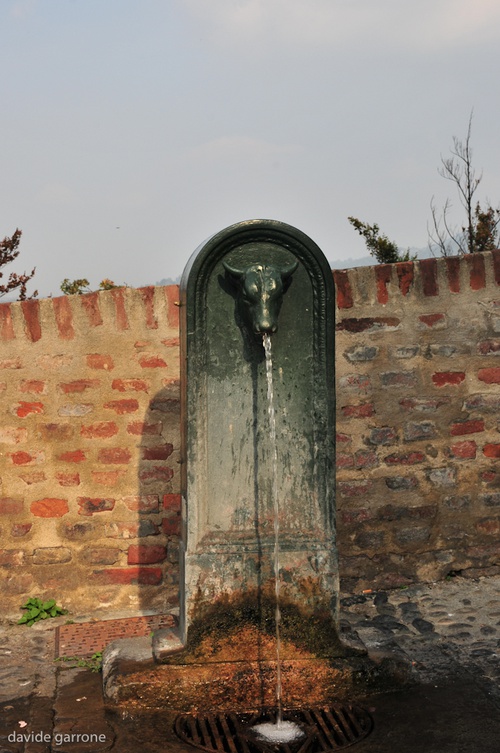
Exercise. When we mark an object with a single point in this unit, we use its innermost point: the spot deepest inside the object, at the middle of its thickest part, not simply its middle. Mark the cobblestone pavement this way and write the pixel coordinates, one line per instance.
(446, 630)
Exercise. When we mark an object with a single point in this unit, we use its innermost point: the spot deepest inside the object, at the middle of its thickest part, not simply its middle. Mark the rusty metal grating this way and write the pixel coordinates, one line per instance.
(326, 728)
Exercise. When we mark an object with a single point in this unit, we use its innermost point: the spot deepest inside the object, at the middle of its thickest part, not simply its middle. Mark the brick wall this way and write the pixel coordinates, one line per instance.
(418, 390)
(89, 441)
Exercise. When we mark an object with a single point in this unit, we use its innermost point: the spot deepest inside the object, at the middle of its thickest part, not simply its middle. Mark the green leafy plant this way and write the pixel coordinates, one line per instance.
(36, 610)
(94, 663)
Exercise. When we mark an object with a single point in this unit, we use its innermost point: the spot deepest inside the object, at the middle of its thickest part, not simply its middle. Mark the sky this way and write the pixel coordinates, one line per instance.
(132, 130)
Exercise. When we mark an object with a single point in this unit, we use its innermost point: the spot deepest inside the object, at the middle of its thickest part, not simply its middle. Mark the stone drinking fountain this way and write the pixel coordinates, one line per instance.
(258, 487)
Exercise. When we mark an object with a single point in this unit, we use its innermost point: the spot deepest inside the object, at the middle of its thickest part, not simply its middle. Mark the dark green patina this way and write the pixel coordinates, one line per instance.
(254, 277)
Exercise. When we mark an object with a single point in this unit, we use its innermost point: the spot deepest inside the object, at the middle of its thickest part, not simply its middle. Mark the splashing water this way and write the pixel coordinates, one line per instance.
(275, 498)
(280, 732)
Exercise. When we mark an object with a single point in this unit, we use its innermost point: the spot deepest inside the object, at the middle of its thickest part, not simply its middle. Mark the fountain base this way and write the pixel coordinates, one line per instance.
(220, 680)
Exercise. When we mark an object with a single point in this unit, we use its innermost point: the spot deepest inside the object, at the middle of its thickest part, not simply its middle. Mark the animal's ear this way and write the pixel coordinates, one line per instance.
(287, 272)
(286, 275)
(236, 273)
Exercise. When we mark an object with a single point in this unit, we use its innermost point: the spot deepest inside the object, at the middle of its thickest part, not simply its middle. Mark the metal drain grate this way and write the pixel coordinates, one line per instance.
(326, 728)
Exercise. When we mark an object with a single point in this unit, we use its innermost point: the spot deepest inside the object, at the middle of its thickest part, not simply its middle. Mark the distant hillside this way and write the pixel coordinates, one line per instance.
(169, 281)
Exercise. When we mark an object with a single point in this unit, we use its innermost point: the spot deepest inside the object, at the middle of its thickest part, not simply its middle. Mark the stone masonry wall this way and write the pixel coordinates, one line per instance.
(418, 391)
(89, 438)
(89, 443)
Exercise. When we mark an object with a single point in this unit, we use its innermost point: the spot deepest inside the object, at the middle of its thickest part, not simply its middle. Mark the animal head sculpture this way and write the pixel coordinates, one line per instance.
(260, 290)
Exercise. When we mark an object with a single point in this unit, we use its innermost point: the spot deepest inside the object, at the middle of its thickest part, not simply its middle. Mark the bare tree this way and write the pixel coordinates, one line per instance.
(479, 233)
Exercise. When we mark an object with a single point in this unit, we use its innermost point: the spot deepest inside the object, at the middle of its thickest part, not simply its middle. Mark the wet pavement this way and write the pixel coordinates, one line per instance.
(449, 632)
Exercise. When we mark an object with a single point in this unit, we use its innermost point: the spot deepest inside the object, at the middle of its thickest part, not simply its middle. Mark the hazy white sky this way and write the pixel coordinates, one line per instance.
(134, 129)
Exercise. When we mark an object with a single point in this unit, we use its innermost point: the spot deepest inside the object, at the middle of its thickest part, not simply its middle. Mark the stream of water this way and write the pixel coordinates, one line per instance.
(282, 731)
(276, 514)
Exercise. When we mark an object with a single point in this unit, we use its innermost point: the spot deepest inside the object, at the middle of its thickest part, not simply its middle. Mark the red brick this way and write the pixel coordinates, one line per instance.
(89, 506)
(31, 314)
(13, 434)
(477, 271)
(172, 502)
(343, 460)
(26, 458)
(368, 323)
(100, 430)
(10, 506)
(6, 326)
(25, 409)
(33, 386)
(464, 450)
(68, 479)
(120, 310)
(355, 382)
(410, 458)
(344, 291)
(122, 406)
(162, 473)
(138, 428)
(157, 453)
(171, 526)
(490, 375)
(107, 478)
(343, 438)
(139, 554)
(437, 321)
(98, 361)
(12, 557)
(114, 455)
(423, 405)
(90, 304)
(491, 450)
(356, 516)
(172, 296)
(489, 526)
(148, 297)
(20, 529)
(11, 363)
(49, 507)
(383, 274)
(147, 503)
(32, 477)
(56, 432)
(142, 576)
(130, 385)
(72, 456)
(496, 265)
(363, 410)
(354, 488)
(79, 385)
(152, 362)
(64, 317)
(467, 427)
(488, 347)
(365, 459)
(453, 272)
(405, 271)
(442, 378)
(428, 273)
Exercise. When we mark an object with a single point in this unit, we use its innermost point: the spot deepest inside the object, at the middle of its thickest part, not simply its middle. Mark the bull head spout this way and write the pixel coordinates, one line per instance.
(260, 290)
